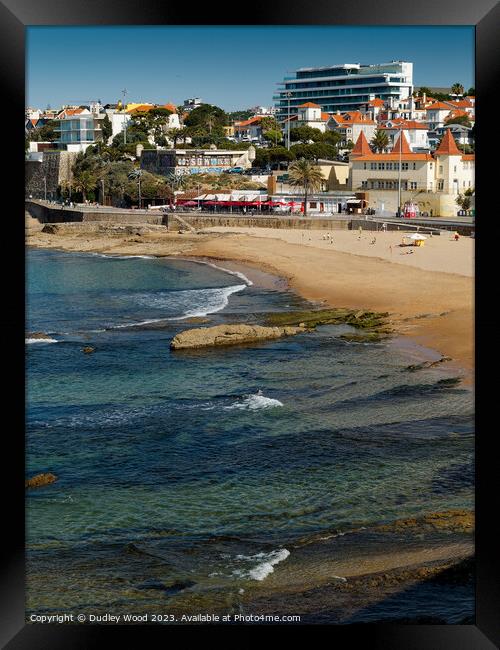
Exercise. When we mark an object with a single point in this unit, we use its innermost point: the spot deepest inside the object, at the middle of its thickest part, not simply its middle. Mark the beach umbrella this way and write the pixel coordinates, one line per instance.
(418, 237)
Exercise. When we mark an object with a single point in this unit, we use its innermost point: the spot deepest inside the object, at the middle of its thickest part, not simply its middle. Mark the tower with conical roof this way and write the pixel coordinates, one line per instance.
(448, 160)
(361, 148)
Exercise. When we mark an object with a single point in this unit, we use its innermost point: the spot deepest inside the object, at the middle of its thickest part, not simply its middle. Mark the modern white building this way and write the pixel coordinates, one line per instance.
(77, 132)
(344, 87)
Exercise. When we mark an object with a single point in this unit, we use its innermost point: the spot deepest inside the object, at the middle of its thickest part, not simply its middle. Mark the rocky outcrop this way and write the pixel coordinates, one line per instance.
(88, 349)
(38, 335)
(201, 337)
(40, 480)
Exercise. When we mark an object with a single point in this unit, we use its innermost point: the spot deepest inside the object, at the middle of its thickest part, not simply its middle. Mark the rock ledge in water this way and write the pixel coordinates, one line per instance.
(40, 480)
(229, 335)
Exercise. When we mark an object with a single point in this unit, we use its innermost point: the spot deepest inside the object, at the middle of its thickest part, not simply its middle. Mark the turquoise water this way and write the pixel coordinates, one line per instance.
(214, 461)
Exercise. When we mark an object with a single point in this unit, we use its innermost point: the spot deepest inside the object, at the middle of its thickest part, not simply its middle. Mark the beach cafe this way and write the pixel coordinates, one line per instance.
(251, 201)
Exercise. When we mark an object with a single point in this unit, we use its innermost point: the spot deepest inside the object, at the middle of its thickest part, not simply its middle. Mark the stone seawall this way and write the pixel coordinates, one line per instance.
(210, 221)
(57, 214)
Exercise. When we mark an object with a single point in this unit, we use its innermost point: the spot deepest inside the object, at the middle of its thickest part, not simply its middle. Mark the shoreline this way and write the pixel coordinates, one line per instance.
(437, 316)
(380, 573)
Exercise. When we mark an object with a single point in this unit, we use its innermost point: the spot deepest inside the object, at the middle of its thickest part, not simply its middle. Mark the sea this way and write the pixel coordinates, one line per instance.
(217, 479)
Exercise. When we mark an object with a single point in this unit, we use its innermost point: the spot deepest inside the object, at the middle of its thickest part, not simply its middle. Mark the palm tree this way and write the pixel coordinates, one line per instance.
(306, 174)
(457, 89)
(137, 175)
(380, 140)
(85, 181)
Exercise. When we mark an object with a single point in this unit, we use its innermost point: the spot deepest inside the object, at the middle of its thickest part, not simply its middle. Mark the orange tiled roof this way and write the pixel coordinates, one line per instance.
(448, 146)
(361, 148)
(406, 124)
(469, 156)
(458, 113)
(309, 105)
(251, 120)
(438, 106)
(403, 143)
(376, 102)
(352, 117)
(325, 116)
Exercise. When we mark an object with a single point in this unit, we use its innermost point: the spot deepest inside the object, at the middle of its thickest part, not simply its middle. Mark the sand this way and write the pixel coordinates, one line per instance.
(429, 293)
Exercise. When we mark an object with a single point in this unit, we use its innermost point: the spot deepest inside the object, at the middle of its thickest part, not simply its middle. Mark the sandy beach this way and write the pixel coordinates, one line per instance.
(428, 293)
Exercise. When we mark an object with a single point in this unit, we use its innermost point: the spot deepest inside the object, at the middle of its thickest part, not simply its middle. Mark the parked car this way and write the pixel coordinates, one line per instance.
(236, 170)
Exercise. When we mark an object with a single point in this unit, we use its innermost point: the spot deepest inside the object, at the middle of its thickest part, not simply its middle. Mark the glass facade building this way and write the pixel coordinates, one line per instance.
(77, 130)
(344, 87)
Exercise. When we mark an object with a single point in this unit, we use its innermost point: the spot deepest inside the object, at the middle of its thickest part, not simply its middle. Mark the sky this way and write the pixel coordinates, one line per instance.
(232, 67)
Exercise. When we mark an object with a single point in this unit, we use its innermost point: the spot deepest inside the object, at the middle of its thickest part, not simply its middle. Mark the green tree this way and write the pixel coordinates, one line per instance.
(106, 128)
(303, 173)
(207, 119)
(144, 185)
(304, 134)
(46, 133)
(424, 90)
(457, 89)
(471, 92)
(273, 135)
(464, 120)
(331, 137)
(380, 141)
(85, 182)
(269, 123)
(463, 201)
(239, 116)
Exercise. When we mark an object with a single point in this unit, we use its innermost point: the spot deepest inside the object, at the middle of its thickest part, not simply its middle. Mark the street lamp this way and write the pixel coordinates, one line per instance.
(137, 175)
(399, 168)
(288, 95)
(124, 93)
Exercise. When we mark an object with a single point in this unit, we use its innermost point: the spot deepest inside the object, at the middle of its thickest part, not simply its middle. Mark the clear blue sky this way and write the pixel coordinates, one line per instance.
(232, 67)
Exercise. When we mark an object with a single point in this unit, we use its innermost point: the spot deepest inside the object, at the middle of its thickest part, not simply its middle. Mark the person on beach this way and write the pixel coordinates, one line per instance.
(390, 248)
(360, 230)
(456, 236)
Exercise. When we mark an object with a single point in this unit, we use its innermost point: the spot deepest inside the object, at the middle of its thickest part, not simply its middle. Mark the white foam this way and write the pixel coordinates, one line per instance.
(29, 341)
(207, 301)
(222, 268)
(255, 402)
(266, 563)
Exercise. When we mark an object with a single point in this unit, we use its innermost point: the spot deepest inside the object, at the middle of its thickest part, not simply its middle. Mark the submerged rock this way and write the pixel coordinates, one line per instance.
(40, 480)
(88, 349)
(229, 335)
(38, 335)
(357, 318)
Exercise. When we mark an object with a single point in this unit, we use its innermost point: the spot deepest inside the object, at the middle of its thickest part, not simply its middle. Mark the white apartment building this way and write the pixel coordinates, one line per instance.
(344, 87)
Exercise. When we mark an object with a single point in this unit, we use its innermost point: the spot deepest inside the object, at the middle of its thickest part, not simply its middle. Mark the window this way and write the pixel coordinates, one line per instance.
(404, 166)
(413, 185)
(414, 165)
(364, 165)
(389, 165)
(440, 185)
(381, 165)
(373, 165)
(364, 184)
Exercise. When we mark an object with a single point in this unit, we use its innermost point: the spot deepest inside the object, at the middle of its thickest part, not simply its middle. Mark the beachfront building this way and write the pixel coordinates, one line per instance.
(432, 180)
(195, 161)
(344, 87)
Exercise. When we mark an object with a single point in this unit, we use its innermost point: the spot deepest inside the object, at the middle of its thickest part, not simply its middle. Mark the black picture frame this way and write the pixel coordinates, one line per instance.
(15, 15)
